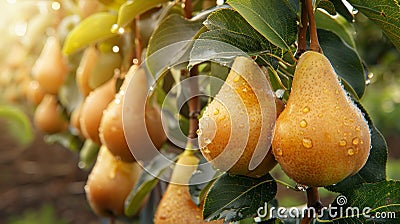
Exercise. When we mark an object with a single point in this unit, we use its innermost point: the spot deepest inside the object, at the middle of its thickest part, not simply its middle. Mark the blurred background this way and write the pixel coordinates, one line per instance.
(41, 182)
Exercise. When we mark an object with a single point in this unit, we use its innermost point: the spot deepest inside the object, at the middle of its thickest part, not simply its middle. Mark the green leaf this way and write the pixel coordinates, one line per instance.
(336, 24)
(342, 9)
(104, 69)
(147, 181)
(237, 197)
(94, 28)
(239, 34)
(130, 9)
(328, 6)
(385, 14)
(66, 139)
(88, 154)
(344, 60)
(375, 202)
(198, 186)
(19, 125)
(374, 169)
(170, 42)
(274, 19)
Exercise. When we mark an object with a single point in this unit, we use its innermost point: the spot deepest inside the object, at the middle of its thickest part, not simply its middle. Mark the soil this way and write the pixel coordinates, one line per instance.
(42, 175)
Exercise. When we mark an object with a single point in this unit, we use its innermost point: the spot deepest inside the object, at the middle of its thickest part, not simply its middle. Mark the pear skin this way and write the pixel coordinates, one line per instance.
(237, 126)
(50, 68)
(85, 70)
(109, 183)
(92, 110)
(34, 93)
(321, 137)
(48, 116)
(176, 205)
(142, 120)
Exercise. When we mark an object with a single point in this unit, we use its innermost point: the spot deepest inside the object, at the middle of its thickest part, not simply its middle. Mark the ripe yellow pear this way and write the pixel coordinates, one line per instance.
(85, 70)
(48, 116)
(50, 68)
(176, 205)
(235, 130)
(109, 183)
(321, 137)
(92, 110)
(141, 121)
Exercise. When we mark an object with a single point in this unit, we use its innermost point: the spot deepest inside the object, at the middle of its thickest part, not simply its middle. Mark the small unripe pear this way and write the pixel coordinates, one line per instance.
(50, 68)
(321, 137)
(48, 116)
(92, 110)
(176, 205)
(109, 183)
(235, 130)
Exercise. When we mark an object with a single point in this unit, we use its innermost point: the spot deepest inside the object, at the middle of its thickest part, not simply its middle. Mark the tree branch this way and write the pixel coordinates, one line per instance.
(302, 34)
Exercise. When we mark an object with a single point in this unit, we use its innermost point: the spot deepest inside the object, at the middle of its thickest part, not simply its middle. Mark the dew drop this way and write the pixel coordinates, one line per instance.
(337, 107)
(207, 141)
(307, 143)
(356, 141)
(306, 109)
(319, 115)
(342, 142)
(350, 151)
(278, 151)
(358, 129)
(206, 150)
(199, 132)
(244, 90)
(216, 112)
(303, 123)
(117, 101)
(163, 216)
(236, 79)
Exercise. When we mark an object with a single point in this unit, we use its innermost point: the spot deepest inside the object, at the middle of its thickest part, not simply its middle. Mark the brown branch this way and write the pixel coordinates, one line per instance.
(314, 45)
(188, 9)
(302, 35)
(194, 105)
(313, 201)
(138, 40)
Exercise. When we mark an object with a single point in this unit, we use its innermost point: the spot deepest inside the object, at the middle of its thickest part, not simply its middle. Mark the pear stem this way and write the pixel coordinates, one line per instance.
(314, 44)
(313, 201)
(302, 34)
(188, 9)
(138, 41)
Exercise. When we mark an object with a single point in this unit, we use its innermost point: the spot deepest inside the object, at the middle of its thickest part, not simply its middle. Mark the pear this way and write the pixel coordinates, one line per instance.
(235, 130)
(48, 116)
(74, 119)
(142, 122)
(85, 70)
(109, 183)
(92, 110)
(34, 93)
(50, 68)
(321, 137)
(176, 205)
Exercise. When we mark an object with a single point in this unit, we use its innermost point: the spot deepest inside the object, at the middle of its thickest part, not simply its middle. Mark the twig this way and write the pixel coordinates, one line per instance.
(194, 105)
(313, 201)
(314, 45)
